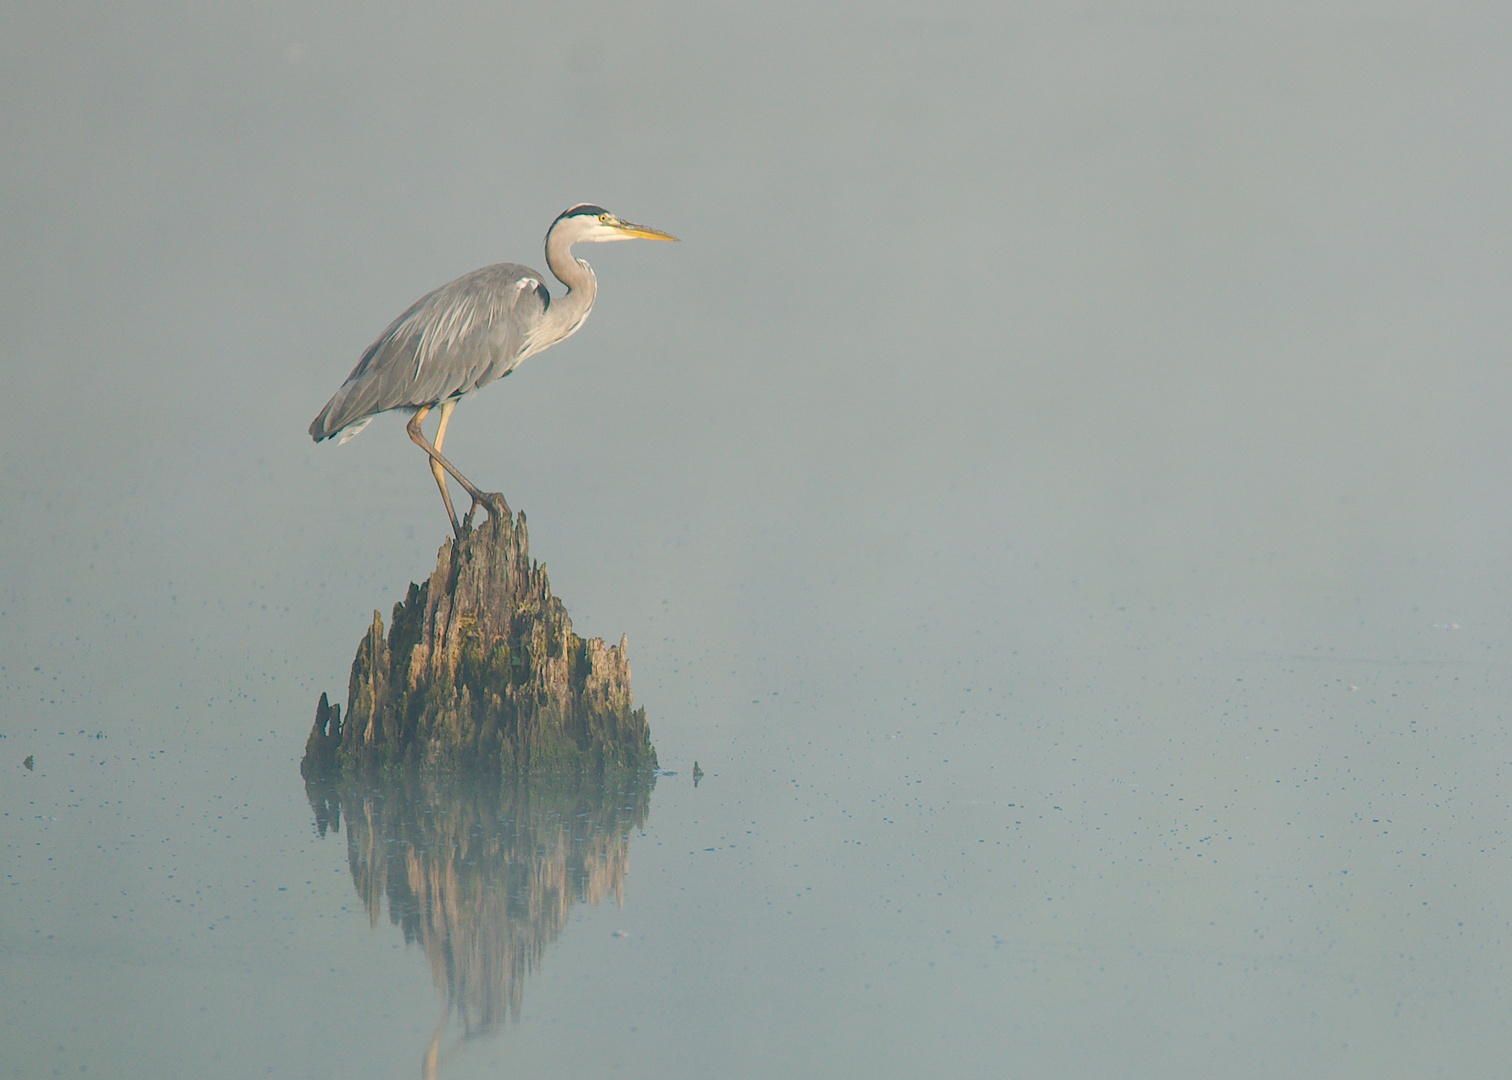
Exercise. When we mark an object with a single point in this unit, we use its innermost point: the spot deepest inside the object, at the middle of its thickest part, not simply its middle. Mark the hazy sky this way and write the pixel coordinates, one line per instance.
(1179, 304)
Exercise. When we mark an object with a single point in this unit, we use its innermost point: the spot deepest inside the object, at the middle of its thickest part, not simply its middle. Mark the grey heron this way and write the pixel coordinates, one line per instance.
(464, 335)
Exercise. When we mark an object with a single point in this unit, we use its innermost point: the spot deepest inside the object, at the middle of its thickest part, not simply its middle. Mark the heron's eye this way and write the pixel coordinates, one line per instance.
(603, 219)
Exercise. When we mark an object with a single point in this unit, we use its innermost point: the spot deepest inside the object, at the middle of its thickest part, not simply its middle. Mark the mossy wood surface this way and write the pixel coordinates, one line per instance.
(480, 672)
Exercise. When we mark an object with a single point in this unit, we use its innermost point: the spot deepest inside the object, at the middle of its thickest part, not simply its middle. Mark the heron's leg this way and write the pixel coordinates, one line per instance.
(446, 411)
(495, 504)
(440, 473)
(492, 507)
(436, 470)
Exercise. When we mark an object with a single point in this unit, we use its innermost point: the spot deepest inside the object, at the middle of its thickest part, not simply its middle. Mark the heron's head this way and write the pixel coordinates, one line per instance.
(587, 223)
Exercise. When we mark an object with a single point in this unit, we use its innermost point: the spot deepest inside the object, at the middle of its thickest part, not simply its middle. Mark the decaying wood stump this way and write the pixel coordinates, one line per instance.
(480, 672)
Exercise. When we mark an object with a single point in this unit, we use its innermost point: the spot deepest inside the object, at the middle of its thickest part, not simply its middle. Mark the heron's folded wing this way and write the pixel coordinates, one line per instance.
(450, 341)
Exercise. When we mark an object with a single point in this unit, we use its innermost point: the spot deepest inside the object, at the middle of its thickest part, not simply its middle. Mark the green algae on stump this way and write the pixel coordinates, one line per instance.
(480, 672)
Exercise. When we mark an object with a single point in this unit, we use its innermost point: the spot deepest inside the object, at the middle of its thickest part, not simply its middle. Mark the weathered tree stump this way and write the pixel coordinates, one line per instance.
(480, 672)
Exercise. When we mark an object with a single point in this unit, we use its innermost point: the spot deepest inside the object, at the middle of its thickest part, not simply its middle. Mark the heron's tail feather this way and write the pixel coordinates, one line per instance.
(326, 426)
(351, 431)
(345, 414)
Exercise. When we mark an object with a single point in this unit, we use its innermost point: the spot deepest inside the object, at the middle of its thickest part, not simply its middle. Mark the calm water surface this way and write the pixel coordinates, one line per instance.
(1057, 492)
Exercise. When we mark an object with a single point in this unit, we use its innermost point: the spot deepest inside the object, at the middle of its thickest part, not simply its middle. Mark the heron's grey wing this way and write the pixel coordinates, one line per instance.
(451, 341)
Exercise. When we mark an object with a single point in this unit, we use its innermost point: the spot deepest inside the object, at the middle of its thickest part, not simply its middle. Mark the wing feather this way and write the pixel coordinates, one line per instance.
(450, 342)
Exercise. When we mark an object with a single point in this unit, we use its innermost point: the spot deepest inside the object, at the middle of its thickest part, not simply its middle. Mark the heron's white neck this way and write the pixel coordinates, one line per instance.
(568, 311)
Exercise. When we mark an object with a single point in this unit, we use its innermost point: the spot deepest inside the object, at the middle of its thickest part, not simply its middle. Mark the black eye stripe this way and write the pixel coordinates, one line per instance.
(585, 210)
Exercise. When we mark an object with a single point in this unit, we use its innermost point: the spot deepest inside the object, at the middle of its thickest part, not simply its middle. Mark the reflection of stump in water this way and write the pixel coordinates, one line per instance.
(482, 877)
(480, 672)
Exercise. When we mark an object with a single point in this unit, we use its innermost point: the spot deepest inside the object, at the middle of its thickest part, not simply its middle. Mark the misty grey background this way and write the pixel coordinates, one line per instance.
(1057, 490)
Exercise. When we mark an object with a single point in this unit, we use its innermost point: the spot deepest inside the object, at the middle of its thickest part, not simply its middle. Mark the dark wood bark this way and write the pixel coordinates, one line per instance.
(480, 672)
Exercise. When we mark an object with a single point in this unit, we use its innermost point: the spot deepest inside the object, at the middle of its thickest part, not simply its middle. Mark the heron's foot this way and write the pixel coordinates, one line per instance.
(490, 501)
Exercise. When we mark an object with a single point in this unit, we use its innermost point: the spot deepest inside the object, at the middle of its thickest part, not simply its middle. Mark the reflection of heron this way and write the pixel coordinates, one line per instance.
(464, 335)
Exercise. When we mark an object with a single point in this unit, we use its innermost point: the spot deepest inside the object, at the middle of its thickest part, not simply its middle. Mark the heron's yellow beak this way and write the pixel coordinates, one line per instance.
(642, 232)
